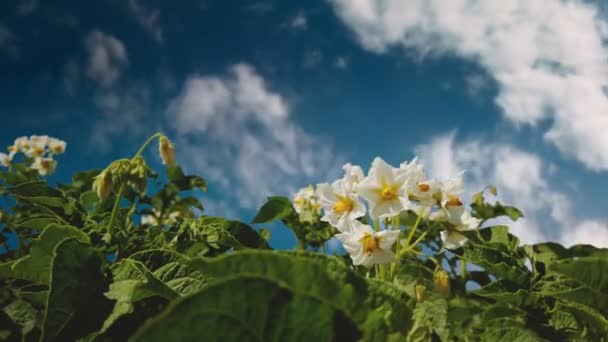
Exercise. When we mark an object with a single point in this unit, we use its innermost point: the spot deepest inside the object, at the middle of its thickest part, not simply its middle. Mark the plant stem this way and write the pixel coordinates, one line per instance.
(115, 208)
(463, 269)
(148, 142)
(413, 229)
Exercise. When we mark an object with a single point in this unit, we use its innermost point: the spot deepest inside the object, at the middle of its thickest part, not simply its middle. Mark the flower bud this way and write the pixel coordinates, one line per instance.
(442, 282)
(420, 293)
(166, 151)
(138, 174)
(103, 184)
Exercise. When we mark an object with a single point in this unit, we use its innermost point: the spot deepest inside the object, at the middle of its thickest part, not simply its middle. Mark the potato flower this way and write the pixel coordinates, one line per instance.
(353, 174)
(44, 166)
(5, 159)
(340, 205)
(57, 146)
(458, 220)
(451, 191)
(367, 247)
(306, 199)
(385, 190)
(22, 144)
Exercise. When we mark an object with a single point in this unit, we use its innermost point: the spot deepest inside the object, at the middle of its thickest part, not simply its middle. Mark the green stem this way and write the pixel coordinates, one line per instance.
(115, 208)
(377, 225)
(413, 229)
(463, 269)
(148, 142)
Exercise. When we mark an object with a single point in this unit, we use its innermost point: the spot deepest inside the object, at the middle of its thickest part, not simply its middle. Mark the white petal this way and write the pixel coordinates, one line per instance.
(382, 171)
(452, 240)
(387, 238)
(380, 256)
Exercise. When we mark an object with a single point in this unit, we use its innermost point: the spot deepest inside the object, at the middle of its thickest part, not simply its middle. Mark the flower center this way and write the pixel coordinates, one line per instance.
(370, 243)
(453, 201)
(388, 193)
(344, 205)
(38, 151)
(424, 187)
(57, 149)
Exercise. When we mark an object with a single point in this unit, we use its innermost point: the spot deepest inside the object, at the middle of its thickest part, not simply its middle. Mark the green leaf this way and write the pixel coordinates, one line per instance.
(509, 333)
(502, 264)
(249, 308)
(430, 318)
(503, 294)
(37, 223)
(23, 314)
(173, 269)
(75, 305)
(326, 278)
(276, 208)
(583, 280)
(36, 265)
(585, 315)
(183, 182)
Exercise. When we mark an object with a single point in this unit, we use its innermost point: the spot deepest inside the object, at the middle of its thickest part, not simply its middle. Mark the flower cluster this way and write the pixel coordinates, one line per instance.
(388, 192)
(39, 151)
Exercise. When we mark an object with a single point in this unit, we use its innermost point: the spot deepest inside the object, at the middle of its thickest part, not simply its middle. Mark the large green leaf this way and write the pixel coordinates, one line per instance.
(173, 269)
(583, 280)
(75, 305)
(36, 265)
(276, 208)
(326, 278)
(142, 278)
(502, 264)
(430, 319)
(249, 308)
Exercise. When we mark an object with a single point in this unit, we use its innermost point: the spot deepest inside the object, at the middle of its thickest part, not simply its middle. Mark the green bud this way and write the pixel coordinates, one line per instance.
(442, 282)
(166, 151)
(103, 184)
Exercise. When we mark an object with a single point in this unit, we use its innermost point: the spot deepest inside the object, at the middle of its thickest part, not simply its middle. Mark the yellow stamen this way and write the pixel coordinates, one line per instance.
(344, 205)
(388, 193)
(424, 187)
(453, 201)
(370, 243)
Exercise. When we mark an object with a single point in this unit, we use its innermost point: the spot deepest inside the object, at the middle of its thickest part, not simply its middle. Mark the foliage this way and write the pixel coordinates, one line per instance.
(126, 253)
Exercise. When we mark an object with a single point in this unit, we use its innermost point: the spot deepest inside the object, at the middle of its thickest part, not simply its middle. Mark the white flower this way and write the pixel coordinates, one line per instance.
(385, 189)
(39, 139)
(413, 170)
(12, 150)
(459, 220)
(451, 191)
(340, 204)
(306, 198)
(424, 192)
(353, 174)
(22, 144)
(5, 159)
(44, 166)
(367, 247)
(37, 147)
(57, 146)
(153, 218)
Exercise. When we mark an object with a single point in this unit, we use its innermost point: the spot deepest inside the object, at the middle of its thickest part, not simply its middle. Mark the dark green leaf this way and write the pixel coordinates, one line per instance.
(276, 208)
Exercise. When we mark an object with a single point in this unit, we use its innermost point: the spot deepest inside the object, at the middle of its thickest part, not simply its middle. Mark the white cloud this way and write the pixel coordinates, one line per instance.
(237, 132)
(522, 180)
(299, 21)
(549, 58)
(148, 19)
(587, 232)
(107, 58)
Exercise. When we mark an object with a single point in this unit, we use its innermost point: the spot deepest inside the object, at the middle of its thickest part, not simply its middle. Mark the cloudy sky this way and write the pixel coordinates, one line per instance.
(265, 97)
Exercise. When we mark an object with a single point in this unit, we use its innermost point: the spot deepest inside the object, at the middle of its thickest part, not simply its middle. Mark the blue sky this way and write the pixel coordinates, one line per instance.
(265, 97)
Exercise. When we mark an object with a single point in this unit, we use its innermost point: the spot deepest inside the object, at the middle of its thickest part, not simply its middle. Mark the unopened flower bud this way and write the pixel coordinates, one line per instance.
(166, 151)
(103, 184)
(420, 293)
(442, 282)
